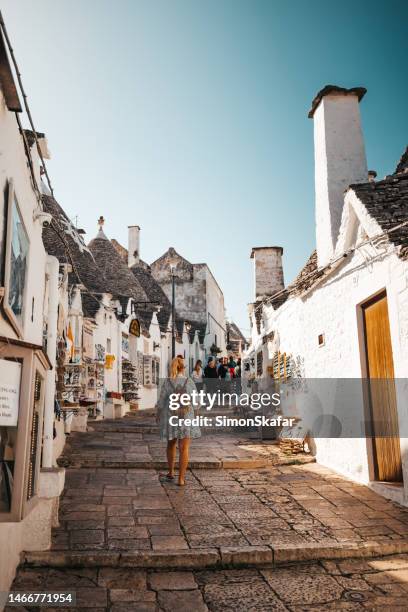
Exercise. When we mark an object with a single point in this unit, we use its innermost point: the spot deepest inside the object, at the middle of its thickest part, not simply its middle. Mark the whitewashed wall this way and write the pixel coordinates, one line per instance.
(216, 324)
(34, 532)
(107, 326)
(333, 310)
(14, 167)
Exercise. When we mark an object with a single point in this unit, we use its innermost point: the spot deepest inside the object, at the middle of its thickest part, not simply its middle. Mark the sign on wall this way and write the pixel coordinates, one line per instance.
(134, 328)
(10, 378)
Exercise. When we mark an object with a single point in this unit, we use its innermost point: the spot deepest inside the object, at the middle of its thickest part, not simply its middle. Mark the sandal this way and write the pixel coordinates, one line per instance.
(166, 478)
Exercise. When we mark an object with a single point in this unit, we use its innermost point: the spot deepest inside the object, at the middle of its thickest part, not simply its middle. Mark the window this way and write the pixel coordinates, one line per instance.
(17, 248)
(321, 339)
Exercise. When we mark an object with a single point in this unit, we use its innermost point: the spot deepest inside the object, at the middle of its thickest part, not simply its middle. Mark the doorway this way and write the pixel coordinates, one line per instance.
(382, 395)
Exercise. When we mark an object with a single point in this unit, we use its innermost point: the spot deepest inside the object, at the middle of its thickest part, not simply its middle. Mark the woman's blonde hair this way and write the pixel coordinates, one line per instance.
(177, 367)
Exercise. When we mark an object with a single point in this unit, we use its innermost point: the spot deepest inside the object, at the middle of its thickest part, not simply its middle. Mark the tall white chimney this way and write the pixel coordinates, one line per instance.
(268, 270)
(133, 245)
(340, 159)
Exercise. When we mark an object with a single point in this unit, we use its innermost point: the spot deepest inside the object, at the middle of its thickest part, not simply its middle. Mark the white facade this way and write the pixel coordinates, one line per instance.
(321, 325)
(334, 310)
(26, 524)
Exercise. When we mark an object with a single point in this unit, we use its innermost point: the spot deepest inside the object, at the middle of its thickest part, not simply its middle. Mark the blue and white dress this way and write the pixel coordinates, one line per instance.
(175, 432)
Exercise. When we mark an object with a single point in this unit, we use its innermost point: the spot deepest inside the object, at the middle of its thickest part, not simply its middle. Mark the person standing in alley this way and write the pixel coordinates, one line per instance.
(238, 368)
(178, 384)
(222, 368)
(197, 374)
(210, 370)
(231, 365)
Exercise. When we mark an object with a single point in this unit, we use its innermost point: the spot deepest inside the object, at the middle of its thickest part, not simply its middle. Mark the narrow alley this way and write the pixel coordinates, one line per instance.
(203, 306)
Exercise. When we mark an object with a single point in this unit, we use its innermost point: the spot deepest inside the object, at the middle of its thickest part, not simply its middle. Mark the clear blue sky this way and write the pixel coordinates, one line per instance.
(189, 117)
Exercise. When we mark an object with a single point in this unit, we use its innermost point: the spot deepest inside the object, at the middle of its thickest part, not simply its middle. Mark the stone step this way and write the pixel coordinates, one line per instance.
(73, 462)
(218, 558)
(122, 428)
(205, 464)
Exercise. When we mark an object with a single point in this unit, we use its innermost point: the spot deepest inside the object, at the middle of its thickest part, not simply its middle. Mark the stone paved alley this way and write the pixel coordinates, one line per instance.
(253, 530)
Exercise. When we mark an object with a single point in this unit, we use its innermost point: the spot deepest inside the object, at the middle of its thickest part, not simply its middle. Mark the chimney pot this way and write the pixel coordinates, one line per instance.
(133, 245)
(339, 160)
(268, 270)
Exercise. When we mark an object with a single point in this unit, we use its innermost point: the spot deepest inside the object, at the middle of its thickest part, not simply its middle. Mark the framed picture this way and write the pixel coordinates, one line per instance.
(16, 263)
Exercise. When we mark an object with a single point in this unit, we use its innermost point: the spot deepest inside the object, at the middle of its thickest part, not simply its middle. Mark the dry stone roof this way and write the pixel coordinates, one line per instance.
(161, 267)
(403, 163)
(120, 249)
(151, 287)
(120, 280)
(154, 292)
(307, 277)
(62, 240)
(387, 202)
(90, 305)
(197, 326)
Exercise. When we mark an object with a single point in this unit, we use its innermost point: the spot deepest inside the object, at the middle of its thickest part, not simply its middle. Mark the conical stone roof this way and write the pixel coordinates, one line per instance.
(62, 240)
(120, 280)
(154, 292)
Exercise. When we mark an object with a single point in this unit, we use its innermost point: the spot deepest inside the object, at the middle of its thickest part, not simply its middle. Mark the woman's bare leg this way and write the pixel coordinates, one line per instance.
(171, 455)
(184, 452)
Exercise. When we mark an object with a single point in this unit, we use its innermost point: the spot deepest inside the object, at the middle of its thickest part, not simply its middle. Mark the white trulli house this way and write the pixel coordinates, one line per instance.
(346, 314)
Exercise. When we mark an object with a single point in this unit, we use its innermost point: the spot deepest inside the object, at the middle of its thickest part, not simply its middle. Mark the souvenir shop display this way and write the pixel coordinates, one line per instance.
(129, 381)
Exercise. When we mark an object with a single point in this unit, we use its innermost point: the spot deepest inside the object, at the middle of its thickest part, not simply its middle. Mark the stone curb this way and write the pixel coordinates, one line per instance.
(245, 464)
(197, 559)
(186, 559)
(239, 464)
(126, 429)
(317, 552)
(141, 465)
(223, 557)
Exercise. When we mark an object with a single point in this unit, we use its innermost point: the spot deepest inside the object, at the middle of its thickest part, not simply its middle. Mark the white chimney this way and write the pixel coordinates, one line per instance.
(340, 160)
(268, 270)
(133, 245)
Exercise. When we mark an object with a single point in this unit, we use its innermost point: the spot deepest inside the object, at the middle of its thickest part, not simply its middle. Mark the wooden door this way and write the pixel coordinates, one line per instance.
(383, 405)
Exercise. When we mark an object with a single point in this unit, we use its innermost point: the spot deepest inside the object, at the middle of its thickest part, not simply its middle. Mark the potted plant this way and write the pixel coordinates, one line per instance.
(214, 349)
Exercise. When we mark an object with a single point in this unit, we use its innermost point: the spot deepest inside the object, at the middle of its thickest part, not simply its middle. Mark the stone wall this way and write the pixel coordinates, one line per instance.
(198, 296)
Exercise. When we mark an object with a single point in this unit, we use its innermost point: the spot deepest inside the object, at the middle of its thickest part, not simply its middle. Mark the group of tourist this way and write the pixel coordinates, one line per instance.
(224, 368)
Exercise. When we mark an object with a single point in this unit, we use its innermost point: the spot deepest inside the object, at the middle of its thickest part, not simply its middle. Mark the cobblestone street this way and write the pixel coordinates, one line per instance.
(345, 585)
(275, 534)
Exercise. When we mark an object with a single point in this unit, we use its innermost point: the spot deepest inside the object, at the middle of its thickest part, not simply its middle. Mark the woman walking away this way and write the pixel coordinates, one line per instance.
(179, 384)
